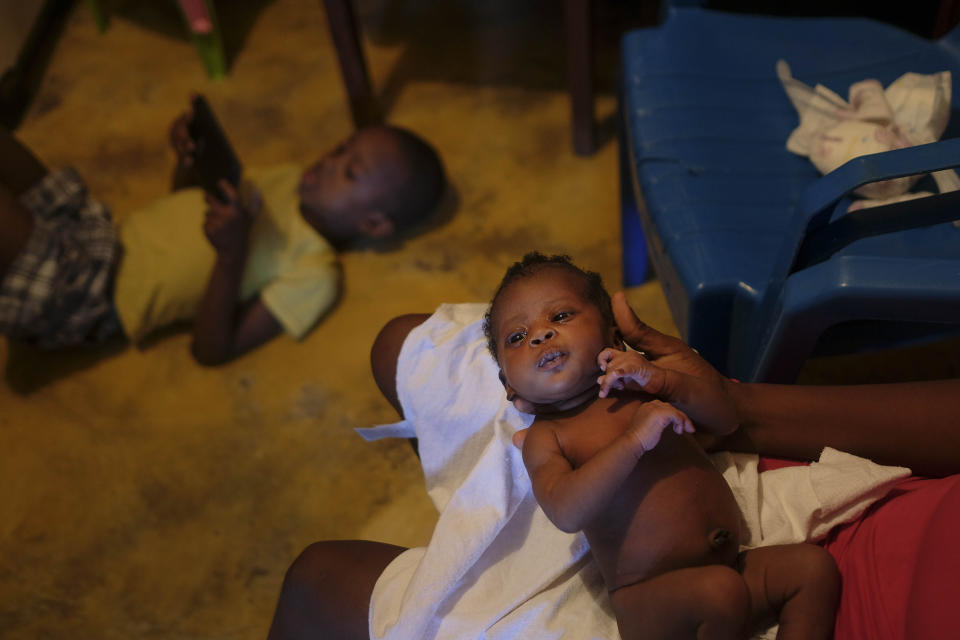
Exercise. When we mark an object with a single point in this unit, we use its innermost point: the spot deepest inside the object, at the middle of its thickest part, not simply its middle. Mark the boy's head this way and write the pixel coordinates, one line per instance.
(546, 324)
(379, 181)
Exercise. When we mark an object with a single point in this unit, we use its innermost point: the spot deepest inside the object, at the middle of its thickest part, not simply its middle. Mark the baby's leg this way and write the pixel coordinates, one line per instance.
(705, 603)
(797, 584)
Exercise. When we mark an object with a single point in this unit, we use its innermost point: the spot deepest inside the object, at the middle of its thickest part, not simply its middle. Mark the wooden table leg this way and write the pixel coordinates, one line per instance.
(364, 106)
(578, 20)
(948, 15)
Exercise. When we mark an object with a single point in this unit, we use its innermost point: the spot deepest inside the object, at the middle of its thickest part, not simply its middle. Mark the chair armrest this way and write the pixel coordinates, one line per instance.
(816, 206)
(823, 194)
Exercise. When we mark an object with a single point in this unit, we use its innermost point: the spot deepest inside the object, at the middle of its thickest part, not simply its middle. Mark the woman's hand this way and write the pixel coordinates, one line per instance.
(675, 373)
(665, 351)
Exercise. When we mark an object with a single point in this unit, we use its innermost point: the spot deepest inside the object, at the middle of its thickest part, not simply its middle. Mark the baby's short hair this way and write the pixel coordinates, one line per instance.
(532, 263)
(420, 192)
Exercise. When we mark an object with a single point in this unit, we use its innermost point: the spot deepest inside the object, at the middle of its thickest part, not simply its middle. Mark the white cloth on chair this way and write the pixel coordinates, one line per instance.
(913, 110)
(496, 567)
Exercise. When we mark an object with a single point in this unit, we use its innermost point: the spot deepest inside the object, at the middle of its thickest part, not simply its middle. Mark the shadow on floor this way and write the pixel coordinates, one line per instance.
(30, 369)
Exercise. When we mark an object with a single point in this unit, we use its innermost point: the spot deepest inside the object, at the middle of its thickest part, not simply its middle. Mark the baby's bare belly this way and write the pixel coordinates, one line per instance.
(674, 511)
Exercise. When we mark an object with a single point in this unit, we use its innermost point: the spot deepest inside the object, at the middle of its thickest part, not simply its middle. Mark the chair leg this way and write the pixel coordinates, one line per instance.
(948, 15)
(364, 107)
(578, 19)
(632, 240)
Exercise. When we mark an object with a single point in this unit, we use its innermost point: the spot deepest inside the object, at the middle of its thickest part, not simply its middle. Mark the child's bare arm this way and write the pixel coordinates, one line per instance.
(797, 585)
(708, 405)
(222, 328)
(572, 498)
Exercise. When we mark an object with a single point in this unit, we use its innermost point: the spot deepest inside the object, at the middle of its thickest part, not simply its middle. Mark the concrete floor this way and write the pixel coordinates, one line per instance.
(144, 496)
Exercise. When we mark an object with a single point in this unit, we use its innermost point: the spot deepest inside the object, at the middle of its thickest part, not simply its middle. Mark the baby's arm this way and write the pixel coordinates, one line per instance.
(795, 584)
(572, 498)
(710, 408)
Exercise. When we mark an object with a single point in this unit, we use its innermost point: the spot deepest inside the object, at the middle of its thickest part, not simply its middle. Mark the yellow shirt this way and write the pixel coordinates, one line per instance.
(167, 259)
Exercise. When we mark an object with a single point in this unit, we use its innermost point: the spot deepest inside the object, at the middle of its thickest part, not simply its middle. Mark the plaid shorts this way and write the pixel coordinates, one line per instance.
(58, 291)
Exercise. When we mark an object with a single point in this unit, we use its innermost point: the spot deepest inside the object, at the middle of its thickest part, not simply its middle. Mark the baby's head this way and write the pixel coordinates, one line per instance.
(379, 181)
(545, 326)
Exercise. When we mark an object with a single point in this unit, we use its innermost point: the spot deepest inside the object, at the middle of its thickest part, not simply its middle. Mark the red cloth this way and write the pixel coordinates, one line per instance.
(769, 464)
(899, 561)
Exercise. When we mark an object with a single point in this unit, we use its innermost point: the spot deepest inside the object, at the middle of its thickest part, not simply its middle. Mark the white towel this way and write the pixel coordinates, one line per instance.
(496, 567)
(912, 110)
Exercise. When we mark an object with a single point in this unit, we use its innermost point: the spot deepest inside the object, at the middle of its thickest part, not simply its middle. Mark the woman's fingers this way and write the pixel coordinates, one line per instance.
(639, 335)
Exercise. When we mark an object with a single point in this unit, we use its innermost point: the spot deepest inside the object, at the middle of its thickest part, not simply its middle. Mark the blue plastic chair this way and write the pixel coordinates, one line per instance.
(757, 260)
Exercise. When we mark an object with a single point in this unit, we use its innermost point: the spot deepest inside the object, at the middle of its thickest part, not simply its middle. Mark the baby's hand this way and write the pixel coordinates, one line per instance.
(651, 419)
(627, 370)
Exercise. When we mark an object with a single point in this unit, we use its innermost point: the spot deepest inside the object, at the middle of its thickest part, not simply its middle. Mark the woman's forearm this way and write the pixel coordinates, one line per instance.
(914, 424)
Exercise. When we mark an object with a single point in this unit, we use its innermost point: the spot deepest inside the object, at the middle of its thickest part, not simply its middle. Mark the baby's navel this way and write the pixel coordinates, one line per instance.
(719, 538)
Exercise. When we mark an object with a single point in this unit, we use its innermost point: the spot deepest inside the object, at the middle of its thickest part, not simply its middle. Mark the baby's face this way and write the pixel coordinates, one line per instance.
(548, 336)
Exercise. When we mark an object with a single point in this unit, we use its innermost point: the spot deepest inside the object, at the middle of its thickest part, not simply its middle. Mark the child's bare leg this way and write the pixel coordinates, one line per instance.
(705, 603)
(797, 584)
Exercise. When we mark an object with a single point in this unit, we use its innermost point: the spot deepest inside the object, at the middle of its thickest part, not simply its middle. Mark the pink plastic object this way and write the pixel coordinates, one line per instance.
(197, 16)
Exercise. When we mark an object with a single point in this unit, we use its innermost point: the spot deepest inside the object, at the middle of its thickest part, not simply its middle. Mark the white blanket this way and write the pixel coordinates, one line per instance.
(913, 109)
(496, 567)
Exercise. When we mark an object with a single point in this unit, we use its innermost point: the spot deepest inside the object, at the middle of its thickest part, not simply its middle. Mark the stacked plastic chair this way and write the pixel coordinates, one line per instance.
(758, 259)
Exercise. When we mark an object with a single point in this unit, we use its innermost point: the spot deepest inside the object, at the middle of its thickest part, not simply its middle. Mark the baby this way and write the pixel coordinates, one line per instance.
(605, 458)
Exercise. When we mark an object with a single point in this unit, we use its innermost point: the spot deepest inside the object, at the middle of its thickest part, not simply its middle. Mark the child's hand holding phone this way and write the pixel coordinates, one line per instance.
(180, 139)
(227, 222)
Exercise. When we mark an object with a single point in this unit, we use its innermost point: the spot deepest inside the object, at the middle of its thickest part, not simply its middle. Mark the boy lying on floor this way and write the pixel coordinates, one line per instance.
(244, 270)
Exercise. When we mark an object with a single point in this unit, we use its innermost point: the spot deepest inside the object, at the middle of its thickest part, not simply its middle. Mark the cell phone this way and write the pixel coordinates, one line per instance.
(213, 157)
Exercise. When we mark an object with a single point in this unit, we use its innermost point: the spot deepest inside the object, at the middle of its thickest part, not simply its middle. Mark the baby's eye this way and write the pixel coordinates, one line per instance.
(516, 337)
(562, 315)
